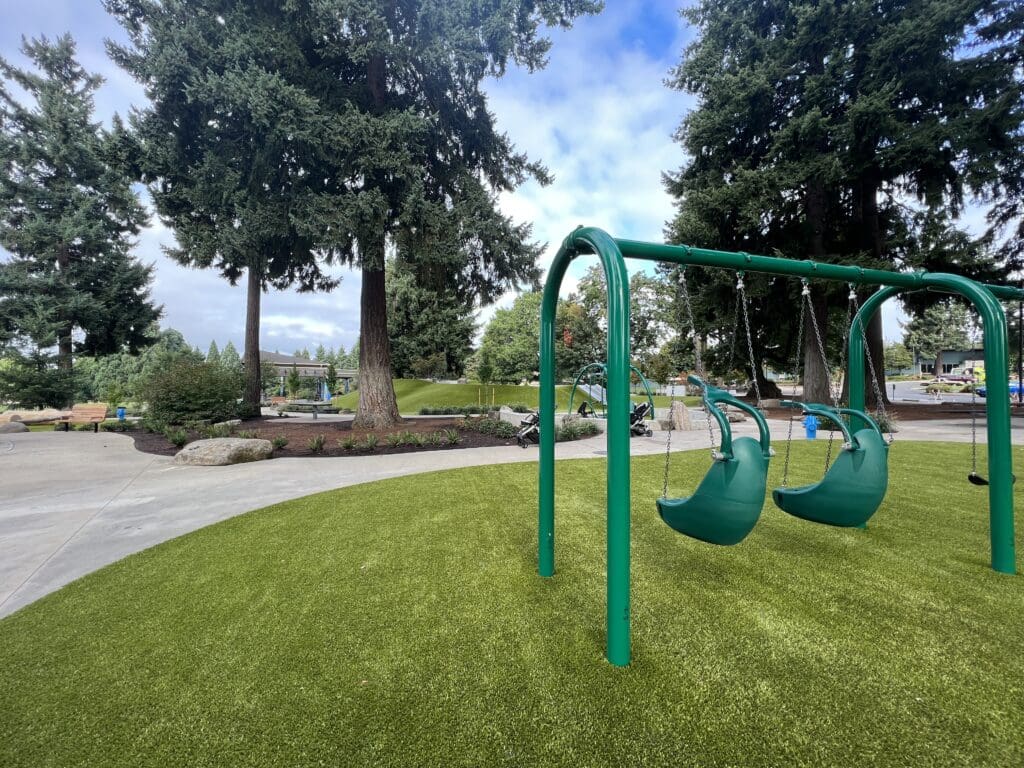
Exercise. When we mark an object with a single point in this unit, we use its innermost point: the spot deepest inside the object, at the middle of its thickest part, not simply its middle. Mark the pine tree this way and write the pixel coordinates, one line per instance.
(213, 354)
(321, 354)
(239, 141)
(424, 322)
(67, 216)
(945, 325)
(230, 360)
(817, 121)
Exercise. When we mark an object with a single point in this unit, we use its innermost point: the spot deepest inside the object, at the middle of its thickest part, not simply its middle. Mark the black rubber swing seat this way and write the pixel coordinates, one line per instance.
(727, 503)
(854, 486)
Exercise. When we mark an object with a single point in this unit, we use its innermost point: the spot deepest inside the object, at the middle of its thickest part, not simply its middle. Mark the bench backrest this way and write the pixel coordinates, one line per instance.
(90, 412)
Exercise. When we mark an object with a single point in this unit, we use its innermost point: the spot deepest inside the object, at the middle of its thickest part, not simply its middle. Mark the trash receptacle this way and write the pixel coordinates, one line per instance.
(121, 413)
(811, 426)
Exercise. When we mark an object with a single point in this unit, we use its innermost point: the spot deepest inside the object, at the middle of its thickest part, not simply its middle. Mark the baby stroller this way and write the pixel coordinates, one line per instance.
(529, 430)
(637, 427)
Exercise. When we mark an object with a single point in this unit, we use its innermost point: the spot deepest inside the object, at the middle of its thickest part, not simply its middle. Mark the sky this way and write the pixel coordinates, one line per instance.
(599, 116)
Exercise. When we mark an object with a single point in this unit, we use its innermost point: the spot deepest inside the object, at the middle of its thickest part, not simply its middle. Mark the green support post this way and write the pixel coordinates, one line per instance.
(997, 401)
(617, 281)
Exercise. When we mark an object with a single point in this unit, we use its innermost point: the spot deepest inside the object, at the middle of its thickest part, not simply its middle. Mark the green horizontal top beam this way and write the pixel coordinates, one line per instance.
(685, 255)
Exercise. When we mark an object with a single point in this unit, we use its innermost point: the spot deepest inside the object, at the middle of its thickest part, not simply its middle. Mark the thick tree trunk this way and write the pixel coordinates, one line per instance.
(938, 363)
(378, 408)
(253, 386)
(65, 347)
(816, 377)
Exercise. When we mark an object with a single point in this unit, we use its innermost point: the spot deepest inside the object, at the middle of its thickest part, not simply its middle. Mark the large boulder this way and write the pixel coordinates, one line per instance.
(12, 427)
(220, 451)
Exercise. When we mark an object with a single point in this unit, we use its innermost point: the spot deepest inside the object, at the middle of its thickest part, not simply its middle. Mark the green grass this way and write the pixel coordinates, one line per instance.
(402, 623)
(414, 394)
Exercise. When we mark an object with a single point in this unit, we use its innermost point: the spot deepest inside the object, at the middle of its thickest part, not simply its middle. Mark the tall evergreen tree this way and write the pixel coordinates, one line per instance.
(67, 217)
(213, 354)
(424, 322)
(237, 140)
(818, 121)
(338, 127)
(433, 162)
(230, 359)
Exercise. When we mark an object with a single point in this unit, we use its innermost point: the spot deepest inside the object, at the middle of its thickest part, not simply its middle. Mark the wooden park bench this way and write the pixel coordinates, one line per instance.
(92, 413)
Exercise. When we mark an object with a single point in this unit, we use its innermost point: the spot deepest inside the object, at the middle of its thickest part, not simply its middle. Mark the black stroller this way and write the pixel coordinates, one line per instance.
(637, 427)
(529, 430)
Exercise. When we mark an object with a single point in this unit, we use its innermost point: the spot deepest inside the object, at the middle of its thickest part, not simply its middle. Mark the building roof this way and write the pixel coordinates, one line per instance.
(279, 359)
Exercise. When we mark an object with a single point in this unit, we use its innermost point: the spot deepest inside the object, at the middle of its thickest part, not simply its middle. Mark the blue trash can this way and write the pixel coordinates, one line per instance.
(811, 426)
(121, 413)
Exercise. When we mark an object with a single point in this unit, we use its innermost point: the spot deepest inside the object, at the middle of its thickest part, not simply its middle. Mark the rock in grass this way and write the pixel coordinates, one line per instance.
(221, 451)
(12, 427)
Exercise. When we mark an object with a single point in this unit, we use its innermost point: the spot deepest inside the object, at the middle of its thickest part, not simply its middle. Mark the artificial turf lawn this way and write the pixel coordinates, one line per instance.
(402, 623)
(413, 394)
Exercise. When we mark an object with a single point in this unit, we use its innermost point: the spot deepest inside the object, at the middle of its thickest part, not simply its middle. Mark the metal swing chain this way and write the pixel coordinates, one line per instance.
(799, 364)
(741, 290)
(834, 392)
(871, 364)
(700, 372)
(974, 434)
(735, 331)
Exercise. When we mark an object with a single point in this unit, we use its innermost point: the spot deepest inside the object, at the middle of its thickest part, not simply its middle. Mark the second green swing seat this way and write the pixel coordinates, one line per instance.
(727, 504)
(854, 486)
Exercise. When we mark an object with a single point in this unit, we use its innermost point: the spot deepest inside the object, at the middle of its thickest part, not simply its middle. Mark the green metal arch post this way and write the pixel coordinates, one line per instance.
(997, 402)
(591, 240)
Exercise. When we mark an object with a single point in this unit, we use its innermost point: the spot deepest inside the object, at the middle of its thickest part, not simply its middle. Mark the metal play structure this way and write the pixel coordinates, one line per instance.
(601, 369)
(612, 254)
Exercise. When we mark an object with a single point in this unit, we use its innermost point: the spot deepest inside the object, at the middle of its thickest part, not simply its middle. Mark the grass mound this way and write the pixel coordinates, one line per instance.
(403, 623)
(414, 394)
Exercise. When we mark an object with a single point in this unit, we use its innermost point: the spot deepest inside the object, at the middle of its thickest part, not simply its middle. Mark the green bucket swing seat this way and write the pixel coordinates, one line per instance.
(727, 504)
(854, 486)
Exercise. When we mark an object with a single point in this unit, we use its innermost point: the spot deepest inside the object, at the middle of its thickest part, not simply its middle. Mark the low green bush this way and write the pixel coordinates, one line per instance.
(454, 410)
(489, 426)
(452, 436)
(576, 430)
(176, 435)
(279, 442)
(114, 425)
(316, 443)
(248, 434)
(369, 443)
(191, 391)
(347, 443)
(393, 439)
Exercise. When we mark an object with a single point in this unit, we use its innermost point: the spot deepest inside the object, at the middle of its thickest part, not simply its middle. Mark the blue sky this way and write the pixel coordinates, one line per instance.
(599, 116)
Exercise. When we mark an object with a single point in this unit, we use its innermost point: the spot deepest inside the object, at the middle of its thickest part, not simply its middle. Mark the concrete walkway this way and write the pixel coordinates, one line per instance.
(74, 502)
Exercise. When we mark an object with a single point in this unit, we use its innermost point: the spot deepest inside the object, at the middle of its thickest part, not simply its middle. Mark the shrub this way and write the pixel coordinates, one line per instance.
(452, 436)
(248, 434)
(453, 410)
(519, 408)
(316, 443)
(347, 443)
(246, 411)
(279, 442)
(393, 439)
(489, 426)
(176, 435)
(575, 430)
(211, 431)
(369, 443)
(114, 425)
(191, 391)
(434, 438)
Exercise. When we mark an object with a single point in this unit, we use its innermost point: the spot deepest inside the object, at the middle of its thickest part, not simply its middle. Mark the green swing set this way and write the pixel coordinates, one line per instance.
(728, 501)
(727, 504)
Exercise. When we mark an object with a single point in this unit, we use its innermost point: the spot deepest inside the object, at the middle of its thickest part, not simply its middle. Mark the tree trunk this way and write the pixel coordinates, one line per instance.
(253, 394)
(378, 408)
(65, 348)
(938, 363)
(816, 377)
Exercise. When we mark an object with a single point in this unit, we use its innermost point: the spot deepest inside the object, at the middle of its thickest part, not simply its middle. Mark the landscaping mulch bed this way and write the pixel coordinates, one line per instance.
(299, 433)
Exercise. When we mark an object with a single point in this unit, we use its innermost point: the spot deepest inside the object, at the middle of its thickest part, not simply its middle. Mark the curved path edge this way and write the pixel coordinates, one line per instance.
(75, 502)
